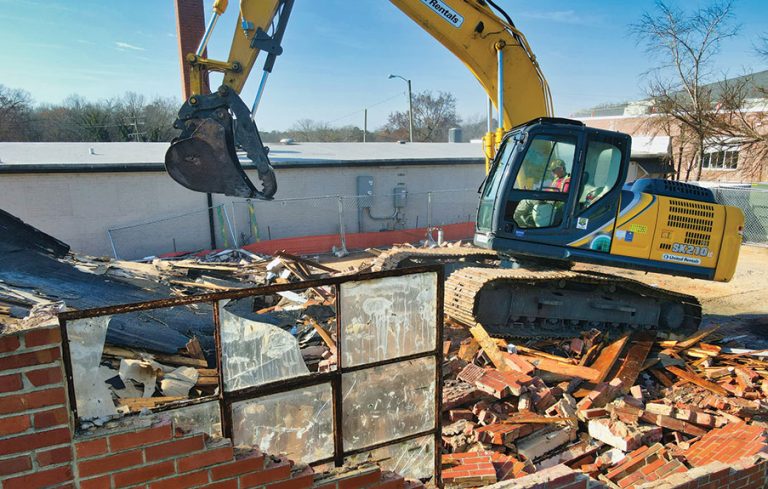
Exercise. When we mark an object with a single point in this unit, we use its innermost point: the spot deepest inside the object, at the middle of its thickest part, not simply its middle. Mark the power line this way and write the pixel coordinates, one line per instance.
(400, 94)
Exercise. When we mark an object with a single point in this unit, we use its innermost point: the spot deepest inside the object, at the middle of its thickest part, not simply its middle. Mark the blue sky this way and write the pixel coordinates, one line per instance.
(338, 54)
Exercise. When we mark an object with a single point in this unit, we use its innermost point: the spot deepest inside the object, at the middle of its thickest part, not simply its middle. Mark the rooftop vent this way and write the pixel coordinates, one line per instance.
(91, 151)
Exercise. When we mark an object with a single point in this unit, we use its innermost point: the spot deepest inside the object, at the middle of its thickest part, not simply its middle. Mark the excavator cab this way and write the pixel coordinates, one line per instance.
(553, 183)
(556, 191)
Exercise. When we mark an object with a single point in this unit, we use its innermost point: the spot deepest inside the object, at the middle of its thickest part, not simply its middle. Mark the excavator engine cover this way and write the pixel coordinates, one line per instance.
(203, 158)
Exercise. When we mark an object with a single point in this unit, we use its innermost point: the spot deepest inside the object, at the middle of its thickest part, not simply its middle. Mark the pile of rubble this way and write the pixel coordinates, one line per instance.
(624, 411)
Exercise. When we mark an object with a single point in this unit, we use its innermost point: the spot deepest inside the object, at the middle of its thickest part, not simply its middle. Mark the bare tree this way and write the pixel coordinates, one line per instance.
(433, 115)
(15, 114)
(685, 43)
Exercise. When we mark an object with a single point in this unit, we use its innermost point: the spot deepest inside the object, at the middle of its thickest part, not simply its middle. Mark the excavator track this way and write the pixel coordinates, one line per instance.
(539, 302)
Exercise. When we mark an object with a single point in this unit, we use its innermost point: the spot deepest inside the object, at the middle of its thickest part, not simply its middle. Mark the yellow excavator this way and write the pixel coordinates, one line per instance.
(555, 191)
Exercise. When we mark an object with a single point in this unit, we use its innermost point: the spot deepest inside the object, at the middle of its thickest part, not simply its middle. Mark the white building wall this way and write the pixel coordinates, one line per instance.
(79, 208)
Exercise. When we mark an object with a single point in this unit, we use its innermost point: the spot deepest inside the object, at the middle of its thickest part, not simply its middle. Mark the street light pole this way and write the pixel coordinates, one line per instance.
(410, 105)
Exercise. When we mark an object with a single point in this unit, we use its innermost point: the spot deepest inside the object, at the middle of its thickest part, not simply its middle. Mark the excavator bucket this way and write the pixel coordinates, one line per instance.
(204, 157)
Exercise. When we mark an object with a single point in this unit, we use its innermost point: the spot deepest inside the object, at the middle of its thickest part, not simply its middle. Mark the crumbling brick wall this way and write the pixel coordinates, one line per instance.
(38, 447)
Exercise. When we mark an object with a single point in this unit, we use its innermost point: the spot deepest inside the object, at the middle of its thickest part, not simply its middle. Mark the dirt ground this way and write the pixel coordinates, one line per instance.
(738, 307)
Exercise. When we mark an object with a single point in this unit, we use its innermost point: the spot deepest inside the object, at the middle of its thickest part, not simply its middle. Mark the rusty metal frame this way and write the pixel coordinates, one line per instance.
(334, 378)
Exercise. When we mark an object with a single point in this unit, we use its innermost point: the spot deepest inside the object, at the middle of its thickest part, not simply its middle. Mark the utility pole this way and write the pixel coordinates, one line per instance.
(365, 124)
(410, 105)
(410, 111)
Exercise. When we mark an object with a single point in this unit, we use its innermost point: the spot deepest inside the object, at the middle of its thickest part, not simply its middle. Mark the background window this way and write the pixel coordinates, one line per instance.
(601, 172)
(721, 160)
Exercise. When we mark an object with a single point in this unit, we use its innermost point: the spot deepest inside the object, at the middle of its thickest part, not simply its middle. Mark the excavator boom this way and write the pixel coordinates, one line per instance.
(204, 157)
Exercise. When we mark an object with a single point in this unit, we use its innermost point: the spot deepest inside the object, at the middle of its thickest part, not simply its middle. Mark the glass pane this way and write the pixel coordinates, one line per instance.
(384, 403)
(601, 172)
(86, 344)
(198, 418)
(532, 213)
(413, 459)
(547, 164)
(388, 318)
(298, 424)
(255, 353)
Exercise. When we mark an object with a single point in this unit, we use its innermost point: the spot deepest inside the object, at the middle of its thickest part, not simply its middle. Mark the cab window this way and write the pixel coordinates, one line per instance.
(601, 173)
(546, 167)
(547, 164)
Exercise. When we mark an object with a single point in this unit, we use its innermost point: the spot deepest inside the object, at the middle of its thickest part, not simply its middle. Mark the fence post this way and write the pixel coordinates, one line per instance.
(230, 225)
(429, 209)
(342, 235)
(112, 243)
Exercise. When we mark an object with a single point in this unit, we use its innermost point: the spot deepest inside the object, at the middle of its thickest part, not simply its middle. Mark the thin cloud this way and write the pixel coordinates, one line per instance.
(125, 45)
(562, 16)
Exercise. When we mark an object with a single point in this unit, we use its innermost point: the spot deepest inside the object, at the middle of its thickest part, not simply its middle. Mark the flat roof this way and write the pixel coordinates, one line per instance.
(20, 157)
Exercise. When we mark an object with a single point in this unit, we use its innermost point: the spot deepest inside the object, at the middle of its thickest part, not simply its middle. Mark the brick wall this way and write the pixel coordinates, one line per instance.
(39, 449)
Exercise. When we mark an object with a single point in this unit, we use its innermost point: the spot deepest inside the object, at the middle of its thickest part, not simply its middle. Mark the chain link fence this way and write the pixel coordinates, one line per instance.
(186, 232)
(754, 203)
(341, 214)
(242, 222)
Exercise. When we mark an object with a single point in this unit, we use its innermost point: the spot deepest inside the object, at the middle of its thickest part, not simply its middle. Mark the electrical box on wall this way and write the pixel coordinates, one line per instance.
(365, 191)
(401, 196)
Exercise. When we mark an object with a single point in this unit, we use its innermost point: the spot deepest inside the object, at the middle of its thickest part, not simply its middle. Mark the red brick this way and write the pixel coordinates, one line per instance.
(29, 359)
(145, 437)
(45, 376)
(14, 424)
(40, 337)
(15, 465)
(230, 484)
(210, 457)
(31, 400)
(89, 448)
(55, 456)
(110, 463)
(96, 483)
(46, 478)
(273, 474)
(174, 448)
(32, 441)
(249, 464)
(304, 482)
(54, 417)
(10, 383)
(183, 481)
(143, 474)
(9, 344)
(363, 480)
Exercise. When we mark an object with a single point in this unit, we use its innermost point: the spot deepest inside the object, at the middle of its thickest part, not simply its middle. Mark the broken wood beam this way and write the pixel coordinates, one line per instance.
(311, 263)
(695, 379)
(116, 351)
(639, 348)
(490, 347)
(555, 367)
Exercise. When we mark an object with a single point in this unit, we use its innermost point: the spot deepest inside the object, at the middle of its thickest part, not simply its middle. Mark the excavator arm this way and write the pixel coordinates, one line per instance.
(204, 157)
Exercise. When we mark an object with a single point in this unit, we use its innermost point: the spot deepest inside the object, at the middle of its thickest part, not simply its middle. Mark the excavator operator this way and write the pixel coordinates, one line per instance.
(562, 180)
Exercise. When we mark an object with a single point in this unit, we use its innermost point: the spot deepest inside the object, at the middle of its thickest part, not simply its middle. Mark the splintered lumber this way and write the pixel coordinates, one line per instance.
(533, 418)
(490, 347)
(639, 348)
(537, 353)
(604, 364)
(311, 263)
(661, 377)
(608, 357)
(324, 335)
(695, 338)
(139, 403)
(695, 379)
(194, 349)
(116, 351)
(555, 367)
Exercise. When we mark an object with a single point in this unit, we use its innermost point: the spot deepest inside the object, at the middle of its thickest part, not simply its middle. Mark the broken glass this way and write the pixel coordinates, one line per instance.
(388, 318)
(388, 402)
(86, 344)
(413, 459)
(298, 423)
(255, 353)
(198, 418)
